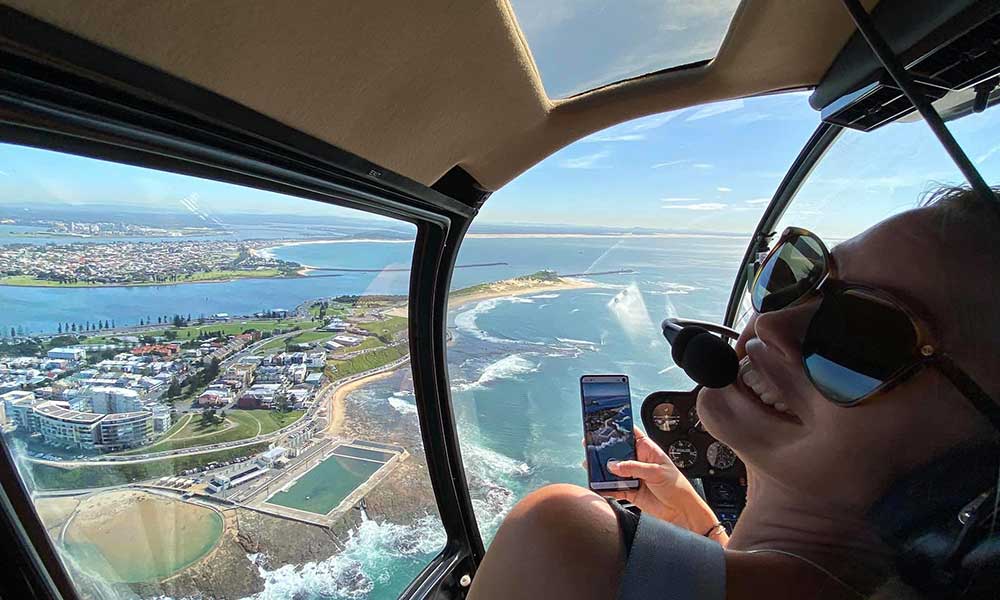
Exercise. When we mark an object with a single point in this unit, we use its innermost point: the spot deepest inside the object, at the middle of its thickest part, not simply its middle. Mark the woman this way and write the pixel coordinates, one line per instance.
(821, 447)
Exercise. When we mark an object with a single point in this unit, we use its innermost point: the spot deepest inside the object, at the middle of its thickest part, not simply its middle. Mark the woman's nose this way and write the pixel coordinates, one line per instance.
(785, 329)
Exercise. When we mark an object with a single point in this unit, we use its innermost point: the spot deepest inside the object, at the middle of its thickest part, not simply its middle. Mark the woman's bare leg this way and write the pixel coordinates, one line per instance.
(561, 541)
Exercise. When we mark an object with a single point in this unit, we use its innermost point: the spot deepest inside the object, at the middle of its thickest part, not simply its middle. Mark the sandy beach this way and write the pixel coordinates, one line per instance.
(141, 536)
(506, 288)
(338, 401)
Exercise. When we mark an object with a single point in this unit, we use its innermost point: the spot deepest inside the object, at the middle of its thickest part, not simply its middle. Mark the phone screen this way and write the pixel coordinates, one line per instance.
(607, 426)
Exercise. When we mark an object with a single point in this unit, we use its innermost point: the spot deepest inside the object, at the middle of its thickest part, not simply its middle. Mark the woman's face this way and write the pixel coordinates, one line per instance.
(782, 427)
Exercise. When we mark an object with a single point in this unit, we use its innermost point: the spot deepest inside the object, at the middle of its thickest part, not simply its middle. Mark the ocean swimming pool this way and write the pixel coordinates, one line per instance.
(326, 485)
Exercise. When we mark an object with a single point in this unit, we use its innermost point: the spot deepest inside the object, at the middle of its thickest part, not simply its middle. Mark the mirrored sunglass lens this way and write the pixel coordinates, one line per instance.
(855, 343)
(794, 269)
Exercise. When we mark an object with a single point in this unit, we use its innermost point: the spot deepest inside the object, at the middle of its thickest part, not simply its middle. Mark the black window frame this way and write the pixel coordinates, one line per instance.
(62, 93)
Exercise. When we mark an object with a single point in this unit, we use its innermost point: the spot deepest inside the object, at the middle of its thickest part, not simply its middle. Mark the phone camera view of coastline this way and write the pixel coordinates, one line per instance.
(206, 388)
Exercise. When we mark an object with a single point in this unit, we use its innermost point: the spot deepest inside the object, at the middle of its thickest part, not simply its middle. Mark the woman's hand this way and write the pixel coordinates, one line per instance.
(664, 491)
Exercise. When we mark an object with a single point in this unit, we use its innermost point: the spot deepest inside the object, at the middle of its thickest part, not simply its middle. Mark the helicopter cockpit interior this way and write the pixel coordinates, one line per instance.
(297, 297)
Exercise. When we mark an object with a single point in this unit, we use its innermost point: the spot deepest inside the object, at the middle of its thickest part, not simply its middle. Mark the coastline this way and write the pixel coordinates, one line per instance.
(338, 400)
(67, 286)
(504, 289)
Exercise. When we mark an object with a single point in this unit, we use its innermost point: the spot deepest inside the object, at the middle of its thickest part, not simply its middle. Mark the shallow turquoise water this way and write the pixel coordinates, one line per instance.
(326, 485)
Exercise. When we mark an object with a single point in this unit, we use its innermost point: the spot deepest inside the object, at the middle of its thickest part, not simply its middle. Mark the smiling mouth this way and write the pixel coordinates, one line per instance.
(759, 388)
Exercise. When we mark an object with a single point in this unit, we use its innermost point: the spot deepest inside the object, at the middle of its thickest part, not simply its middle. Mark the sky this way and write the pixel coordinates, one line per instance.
(578, 45)
(706, 168)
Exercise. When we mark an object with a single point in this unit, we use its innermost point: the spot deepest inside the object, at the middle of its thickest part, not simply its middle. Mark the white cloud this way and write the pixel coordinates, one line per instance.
(702, 165)
(655, 121)
(670, 163)
(699, 206)
(588, 161)
(759, 201)
(717, 108)
(723, 189)
(679, 199)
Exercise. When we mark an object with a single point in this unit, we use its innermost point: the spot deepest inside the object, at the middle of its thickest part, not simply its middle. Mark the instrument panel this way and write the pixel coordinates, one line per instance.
(671, 420)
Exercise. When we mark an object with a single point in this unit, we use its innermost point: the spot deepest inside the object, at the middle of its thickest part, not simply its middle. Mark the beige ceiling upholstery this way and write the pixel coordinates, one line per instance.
(421, 86)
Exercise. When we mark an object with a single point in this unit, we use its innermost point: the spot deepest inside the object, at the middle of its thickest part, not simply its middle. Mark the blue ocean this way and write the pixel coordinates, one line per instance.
(514, 363)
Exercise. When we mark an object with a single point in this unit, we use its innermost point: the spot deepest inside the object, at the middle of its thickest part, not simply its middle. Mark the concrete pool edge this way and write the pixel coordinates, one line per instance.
(349, 500)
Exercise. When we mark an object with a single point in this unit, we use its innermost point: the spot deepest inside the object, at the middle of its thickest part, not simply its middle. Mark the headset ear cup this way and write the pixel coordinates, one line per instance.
(681, 342)
(919, 518)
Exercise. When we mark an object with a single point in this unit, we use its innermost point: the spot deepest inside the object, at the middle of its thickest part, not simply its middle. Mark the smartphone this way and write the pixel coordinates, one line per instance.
(607, 429)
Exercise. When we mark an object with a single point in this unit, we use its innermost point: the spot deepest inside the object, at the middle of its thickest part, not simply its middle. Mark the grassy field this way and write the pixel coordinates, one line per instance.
(362, 363)
(28, 280)
(306, 337)
(228, 328)
(388, 327)
(239, 425)
(47, 477)
(333, 310)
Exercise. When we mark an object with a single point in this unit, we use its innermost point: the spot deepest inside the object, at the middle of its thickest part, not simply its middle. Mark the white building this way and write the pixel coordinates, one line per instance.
(316, 360)
(61, 426)
(124, 430)
(161, 418)
(17, 408)
(348, 340)
(108, 399)
(67, 353)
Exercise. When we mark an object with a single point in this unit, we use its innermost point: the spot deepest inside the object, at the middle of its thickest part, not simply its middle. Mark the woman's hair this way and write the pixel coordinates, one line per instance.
(967, 225)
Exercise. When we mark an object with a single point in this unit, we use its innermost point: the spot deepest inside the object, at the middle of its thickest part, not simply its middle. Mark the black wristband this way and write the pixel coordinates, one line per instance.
(713, 528)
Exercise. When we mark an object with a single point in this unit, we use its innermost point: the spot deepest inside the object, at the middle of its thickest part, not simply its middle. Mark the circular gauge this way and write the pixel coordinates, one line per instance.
(683, 453)
(666, 417)
(720, 456)
(694, 420)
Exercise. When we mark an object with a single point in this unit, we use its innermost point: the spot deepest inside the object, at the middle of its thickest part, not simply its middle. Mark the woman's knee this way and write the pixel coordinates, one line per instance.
(564, 510)
(561, 540)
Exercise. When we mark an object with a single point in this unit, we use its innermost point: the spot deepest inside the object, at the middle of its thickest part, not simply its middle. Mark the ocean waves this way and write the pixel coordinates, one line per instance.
(371, 558)
(508, 367)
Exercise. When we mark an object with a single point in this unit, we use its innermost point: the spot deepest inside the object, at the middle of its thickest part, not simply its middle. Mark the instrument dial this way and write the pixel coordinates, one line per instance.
(720, 456)
(683, 453)
(694, 420)
(667, 417)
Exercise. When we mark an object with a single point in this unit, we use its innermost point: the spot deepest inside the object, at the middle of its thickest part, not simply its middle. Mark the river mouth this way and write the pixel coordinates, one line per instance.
(134, 537)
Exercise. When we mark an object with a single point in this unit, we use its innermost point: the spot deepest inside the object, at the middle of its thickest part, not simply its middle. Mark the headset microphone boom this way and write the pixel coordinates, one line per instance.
(706, 358)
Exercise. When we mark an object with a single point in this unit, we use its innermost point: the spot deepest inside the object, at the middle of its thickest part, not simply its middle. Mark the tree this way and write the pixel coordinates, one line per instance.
(281, 402)
(59, 329)
(74, 326)
(212, 370)
(208, 416)
(174, 390)
(12, 332)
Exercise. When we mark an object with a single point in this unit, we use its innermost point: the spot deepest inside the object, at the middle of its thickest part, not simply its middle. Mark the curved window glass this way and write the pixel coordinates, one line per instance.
(570, 269)
(205, 387)
(867, 177)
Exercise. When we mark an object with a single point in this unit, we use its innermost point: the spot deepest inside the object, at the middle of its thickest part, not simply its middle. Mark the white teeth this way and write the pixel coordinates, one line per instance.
(760, 386)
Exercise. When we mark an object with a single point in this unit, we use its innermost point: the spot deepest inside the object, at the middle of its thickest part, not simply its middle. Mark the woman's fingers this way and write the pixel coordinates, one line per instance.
(637, 470)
